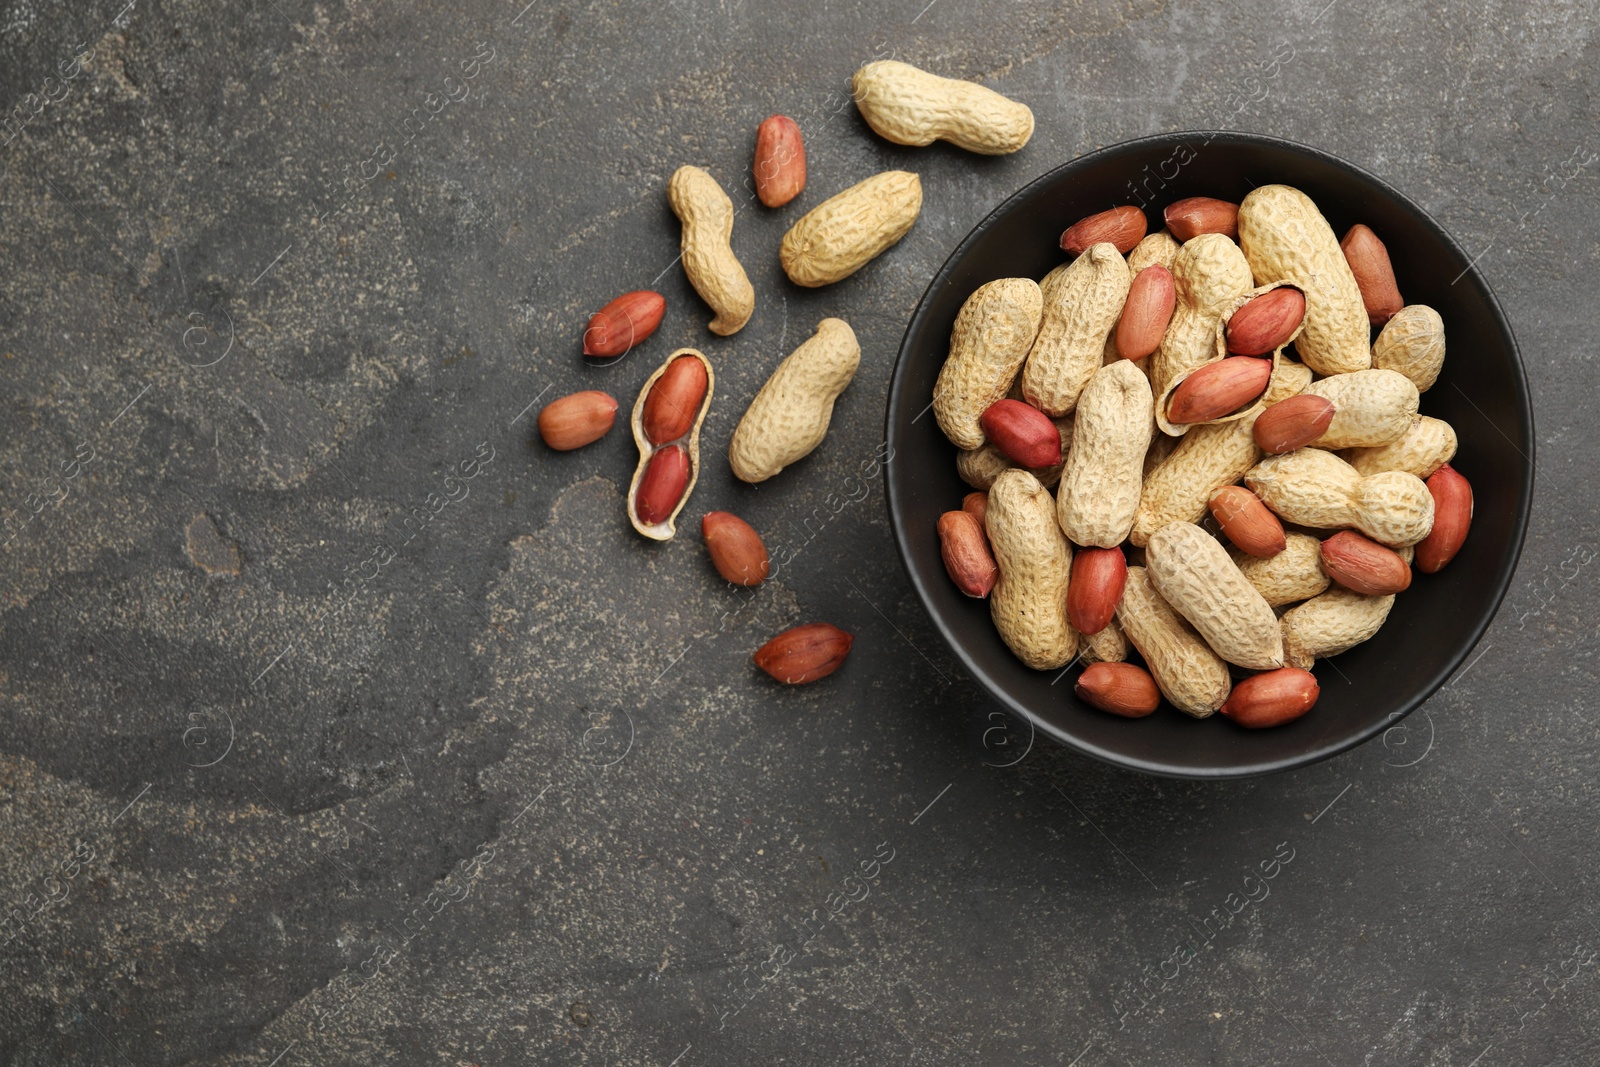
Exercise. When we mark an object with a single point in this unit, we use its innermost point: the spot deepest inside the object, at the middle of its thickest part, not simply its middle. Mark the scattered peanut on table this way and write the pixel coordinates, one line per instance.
(666, 427)
(1148, 380)
(708, 259)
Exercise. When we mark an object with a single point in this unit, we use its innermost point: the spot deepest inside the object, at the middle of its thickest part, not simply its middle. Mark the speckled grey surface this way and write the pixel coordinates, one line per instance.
(312, 756)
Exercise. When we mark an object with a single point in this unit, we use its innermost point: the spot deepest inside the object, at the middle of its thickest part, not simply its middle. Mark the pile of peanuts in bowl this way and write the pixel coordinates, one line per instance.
(1148, 382)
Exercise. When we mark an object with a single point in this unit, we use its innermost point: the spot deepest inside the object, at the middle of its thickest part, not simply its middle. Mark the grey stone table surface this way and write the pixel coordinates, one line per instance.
(316, 750)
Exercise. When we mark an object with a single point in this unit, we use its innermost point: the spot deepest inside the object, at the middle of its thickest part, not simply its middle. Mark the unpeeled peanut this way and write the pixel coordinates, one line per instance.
(660, 488)
(1192, 677)
(624, 322)
(1193, 573)
(805, 653)
(977, 505)
(1265, 322)
(991, 337)
(1081, 303)
(1363, 565)
(1157, 249)
(1292, 575)
(1029, 601)
(1370, 407)
(1109, 645)
(1428, 445)
(736, 549)
(1330, 623)
(1285, 239)
(779, 165)
(910, 106)
(1218, 389)
(1101, 481)
(1314, 488)
(1292, 423)
(1412, 343)
(708, 259)
(848, 230)
(1023, 434)
(789, 416)
(1247, 522)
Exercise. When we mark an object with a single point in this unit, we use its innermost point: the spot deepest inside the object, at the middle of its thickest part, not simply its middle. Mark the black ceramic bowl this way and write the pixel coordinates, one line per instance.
(1482, 393)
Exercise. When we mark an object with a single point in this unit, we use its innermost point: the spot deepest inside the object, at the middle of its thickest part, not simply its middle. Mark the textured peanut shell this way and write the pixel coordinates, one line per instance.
(1109, 645)
(1161, 446)
(1428, 445)
(789, 416)
(1159, 247)
(1292, 575)
(664, 531)
(1412, 343)
(979, 467)
(1193, 678)
(1209, 274)
(1286, 239)
(990, 339)
(848, 230)
(1104, 470)
(1314, 488)
(708, 259)
(1331, 623)
(1205, 460)
(909, 106)
(1219, 352)
(1192, 572)
(1370, 408)
(1081, 306)
(1029, 600)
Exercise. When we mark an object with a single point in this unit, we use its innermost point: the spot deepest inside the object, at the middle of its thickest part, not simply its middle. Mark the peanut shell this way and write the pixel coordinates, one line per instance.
(1101, 481)
(664, 530)
(1311, 487)
(848, 230)
(1286, 239)
(1192, 572)
(991, 337)
(789, 416)
(1193, 678)
(1080, 308)
(1292, 575)
(910, 106)
(708, 259)
(1412, 343)
(1370, 408)
(1206, 459)
(1208, 275)
(1029, 601)
(1428, 445)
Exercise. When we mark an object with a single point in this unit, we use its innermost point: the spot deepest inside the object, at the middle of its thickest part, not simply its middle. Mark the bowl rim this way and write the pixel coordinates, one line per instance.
(1502, 579)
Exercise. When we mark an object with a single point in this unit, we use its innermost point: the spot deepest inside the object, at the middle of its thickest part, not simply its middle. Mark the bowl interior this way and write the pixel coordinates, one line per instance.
(1482, 393)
